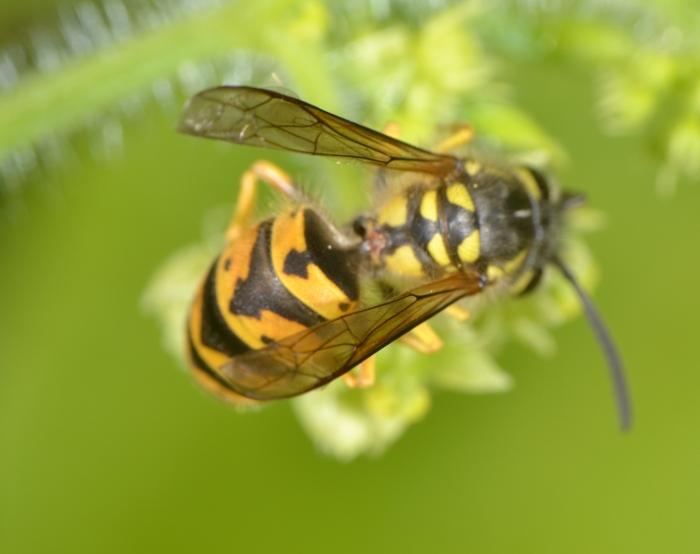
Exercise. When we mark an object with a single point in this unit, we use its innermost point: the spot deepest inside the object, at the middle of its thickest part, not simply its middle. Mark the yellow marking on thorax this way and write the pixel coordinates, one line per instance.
(523, 281)
(472, 167)
(404, 262)
(526, 178)
(428, 206)
(316, 291)
(438, 251)
(395, 213)
(459, 196)
(469, 249)
(494, 272)
(514, 265)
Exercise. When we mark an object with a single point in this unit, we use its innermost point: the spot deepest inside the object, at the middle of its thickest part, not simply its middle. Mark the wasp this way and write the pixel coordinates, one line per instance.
(280, 312)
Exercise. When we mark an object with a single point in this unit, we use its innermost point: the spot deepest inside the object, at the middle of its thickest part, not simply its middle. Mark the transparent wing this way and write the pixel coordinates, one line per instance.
(269, 119)
(318, 355)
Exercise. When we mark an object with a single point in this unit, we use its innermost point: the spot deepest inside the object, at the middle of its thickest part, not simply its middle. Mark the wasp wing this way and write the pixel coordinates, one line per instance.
(269, 119)
(316, 356)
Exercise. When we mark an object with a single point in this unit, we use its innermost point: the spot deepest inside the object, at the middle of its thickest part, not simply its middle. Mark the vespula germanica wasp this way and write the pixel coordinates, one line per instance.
(280, 312)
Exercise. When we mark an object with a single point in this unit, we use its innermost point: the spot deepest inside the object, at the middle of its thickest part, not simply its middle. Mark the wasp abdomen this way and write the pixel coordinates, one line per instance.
(279, 277)
(315, 262)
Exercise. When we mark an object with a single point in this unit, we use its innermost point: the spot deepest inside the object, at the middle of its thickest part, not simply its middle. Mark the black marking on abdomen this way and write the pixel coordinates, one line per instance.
(336, 261)
(200, 365)
(297, 263)
(215, 332)
(263, 290)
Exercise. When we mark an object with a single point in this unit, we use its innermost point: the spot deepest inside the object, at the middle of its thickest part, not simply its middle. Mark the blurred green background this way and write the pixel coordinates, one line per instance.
(106, 447)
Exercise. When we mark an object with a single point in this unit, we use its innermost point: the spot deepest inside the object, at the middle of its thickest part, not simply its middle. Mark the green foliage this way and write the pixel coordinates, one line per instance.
(424, 69)
(346, 422)
(644, 60)
(410, 63)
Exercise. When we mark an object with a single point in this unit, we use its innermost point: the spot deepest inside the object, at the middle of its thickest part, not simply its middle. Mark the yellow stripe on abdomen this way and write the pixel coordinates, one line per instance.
(316, 290)
(271, 326)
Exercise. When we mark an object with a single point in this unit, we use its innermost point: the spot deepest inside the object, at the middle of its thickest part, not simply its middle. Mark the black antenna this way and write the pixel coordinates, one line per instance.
(617, 371)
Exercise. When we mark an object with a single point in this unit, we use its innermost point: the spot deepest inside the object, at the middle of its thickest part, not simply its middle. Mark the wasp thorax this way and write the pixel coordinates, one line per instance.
(281, 311)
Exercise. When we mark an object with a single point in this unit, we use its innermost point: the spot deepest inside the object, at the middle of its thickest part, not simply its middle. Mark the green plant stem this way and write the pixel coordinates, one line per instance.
(47, 102)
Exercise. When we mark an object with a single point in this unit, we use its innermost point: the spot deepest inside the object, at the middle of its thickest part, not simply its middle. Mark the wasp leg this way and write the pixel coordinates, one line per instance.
(463, 135)
(458, 313)
(365, 377)
(423, 339)
(245, 205)
(277, 178)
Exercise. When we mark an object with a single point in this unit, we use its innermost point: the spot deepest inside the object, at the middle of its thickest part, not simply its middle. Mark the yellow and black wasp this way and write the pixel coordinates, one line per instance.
(280, 312)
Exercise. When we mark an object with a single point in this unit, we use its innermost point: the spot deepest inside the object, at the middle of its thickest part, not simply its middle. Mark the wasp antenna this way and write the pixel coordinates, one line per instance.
(617, 371)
